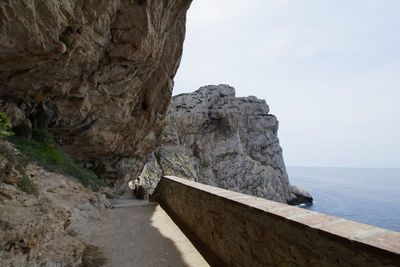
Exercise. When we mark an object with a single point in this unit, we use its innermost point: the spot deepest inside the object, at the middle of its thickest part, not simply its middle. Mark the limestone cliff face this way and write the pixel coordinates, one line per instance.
(213, 137)
(98, 74)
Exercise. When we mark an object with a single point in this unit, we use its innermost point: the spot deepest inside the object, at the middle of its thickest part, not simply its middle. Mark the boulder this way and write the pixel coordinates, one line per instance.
(299, 196)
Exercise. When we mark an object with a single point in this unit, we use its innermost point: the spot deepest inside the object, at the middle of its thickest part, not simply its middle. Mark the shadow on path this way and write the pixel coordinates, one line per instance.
(140, 233)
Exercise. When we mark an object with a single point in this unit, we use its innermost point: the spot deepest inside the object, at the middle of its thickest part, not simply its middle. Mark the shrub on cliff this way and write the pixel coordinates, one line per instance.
(25, 183)
(45, 151)
(4, 126)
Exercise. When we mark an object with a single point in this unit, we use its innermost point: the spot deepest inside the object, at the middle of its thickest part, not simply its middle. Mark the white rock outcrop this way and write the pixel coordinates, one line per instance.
(215, 138)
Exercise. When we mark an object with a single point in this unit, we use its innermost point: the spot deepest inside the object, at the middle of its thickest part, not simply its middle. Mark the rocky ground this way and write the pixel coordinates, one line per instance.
(215, 138)
(44, 223)
(53, 220)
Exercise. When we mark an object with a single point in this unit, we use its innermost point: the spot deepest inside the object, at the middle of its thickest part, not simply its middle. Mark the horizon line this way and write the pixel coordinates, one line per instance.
(341, 167)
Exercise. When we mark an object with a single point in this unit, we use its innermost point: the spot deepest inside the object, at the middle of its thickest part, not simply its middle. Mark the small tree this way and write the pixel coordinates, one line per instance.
(4, 126)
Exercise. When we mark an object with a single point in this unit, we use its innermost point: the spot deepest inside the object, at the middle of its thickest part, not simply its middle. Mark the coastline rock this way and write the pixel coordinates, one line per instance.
(302, 196)
(215, 138)
(97, 74)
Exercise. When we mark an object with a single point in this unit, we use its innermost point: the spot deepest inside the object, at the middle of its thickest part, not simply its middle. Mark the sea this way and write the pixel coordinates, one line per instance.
(365, 195)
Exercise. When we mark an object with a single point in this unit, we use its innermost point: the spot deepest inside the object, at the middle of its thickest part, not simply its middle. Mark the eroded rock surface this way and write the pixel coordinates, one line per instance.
(215, 138)
(48, 228)
(98, 74)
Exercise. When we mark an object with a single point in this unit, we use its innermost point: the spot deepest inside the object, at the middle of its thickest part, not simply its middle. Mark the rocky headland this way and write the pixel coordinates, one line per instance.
(213, 137)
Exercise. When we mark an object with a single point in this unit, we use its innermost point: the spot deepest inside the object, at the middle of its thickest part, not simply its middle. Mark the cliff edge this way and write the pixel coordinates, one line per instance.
(213, 137)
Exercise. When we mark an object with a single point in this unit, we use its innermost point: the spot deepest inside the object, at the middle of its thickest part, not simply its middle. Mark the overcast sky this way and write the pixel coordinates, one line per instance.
(329, 70)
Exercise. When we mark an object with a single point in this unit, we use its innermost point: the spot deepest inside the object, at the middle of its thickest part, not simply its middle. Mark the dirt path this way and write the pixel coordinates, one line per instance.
(139, 233)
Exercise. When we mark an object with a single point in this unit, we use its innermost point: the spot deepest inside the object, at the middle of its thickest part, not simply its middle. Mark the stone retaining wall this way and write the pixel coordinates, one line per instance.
(234, 229)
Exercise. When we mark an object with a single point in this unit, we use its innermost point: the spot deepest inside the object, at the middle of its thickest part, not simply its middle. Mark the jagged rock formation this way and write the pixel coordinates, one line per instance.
(98, 74)
(48, 228)
(215, 138)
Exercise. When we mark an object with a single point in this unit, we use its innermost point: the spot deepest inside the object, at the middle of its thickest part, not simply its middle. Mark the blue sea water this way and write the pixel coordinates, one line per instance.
(365, 195)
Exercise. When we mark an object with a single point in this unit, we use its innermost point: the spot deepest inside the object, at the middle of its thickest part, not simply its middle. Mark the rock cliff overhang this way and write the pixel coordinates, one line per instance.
(97, 74)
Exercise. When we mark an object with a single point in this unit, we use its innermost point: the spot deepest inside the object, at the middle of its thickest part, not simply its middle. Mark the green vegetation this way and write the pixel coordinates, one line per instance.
(45, 151)
(4, 126)
(158, 158)
(108, 196)
(25, 183)
(65, 40)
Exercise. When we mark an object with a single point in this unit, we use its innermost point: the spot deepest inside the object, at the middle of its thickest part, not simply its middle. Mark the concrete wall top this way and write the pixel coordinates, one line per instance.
(189, 202)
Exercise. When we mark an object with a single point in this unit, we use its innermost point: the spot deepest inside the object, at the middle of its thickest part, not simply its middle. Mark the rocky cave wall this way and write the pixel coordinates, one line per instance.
(97, 74)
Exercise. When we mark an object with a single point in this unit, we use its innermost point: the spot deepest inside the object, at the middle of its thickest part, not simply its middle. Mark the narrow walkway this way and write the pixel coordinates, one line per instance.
(139, 233)
(127, 199)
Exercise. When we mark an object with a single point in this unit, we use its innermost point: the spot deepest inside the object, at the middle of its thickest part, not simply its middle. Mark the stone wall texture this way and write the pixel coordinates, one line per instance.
(233, 229)
(97, 73)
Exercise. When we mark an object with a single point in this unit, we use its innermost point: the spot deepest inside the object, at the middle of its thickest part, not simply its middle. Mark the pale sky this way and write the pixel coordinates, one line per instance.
(328, 69)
